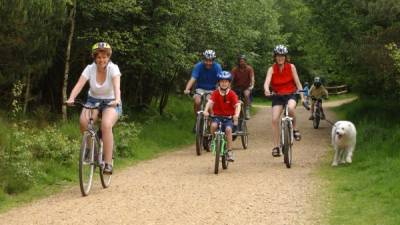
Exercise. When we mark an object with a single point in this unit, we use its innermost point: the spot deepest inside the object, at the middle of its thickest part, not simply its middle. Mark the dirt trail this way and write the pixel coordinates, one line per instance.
(180, 188)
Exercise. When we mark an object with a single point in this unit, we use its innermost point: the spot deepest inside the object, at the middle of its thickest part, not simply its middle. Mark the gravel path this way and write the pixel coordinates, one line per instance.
(180, 188)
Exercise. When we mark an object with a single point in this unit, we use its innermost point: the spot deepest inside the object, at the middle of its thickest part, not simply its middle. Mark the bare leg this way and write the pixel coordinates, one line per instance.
(292, 107)
(196, 105)
(84, 118)
(276, 114)
(110, 117)
(228, 134)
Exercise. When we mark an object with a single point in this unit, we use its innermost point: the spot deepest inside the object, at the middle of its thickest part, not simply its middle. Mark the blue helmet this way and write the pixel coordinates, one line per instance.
(224, 75)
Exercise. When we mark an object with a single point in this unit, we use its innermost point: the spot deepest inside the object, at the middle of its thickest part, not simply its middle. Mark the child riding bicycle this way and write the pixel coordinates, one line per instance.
(224, 102)
(317, 92)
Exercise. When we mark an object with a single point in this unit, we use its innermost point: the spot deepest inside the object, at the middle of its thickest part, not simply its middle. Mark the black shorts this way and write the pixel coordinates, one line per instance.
(283, 99)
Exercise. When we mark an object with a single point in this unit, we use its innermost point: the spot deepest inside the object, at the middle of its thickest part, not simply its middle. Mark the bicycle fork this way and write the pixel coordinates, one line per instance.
(214, 145)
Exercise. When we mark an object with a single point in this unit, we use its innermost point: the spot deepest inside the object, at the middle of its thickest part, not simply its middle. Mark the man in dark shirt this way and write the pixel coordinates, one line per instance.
(243, 82)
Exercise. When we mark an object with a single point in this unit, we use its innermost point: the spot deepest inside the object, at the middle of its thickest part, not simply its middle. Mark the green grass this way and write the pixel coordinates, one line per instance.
(367, 191)
(158, 134)
(261, 100)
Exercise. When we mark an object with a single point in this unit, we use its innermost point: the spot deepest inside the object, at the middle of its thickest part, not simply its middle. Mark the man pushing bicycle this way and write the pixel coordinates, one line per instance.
(224, 103)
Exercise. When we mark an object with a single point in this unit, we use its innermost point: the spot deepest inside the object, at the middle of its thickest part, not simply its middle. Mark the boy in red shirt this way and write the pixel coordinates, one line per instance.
(224, 102)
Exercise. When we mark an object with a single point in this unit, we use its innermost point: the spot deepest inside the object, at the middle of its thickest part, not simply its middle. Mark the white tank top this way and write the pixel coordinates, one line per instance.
(105, 90)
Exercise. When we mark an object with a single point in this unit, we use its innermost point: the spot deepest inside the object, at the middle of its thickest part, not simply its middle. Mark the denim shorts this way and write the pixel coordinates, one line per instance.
(103, 104)
(225, 122)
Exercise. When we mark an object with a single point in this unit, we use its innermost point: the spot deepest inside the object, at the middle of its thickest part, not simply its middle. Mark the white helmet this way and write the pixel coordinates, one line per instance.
(280, 50)
(209, 54)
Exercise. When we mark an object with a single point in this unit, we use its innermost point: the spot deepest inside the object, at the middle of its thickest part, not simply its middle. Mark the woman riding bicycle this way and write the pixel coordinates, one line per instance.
(282, 77)
(104, 80)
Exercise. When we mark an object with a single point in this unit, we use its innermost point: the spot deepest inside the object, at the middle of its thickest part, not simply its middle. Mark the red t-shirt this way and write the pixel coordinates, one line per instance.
(221, 108)
(283, 82)
(242, 77)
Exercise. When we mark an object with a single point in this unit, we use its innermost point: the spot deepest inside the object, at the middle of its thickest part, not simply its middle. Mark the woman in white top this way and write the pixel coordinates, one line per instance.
(104, 80)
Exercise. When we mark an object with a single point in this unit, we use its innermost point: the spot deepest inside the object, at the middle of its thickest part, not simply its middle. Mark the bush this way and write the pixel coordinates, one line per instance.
(126, 135)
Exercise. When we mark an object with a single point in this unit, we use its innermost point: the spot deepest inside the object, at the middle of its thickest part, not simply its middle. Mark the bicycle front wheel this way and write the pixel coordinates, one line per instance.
(287, 145)
(86, 163)
(245, 136)
(218, 144)
(104, 178)
(199, 134)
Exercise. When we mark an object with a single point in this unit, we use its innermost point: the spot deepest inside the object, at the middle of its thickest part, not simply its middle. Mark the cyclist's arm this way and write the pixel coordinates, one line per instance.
(77, 89)
(237, 110)
(297, 81)
(116, 80)
(190, 84)
(252, 79)
(207, 108)
(325, 92)
(267, 82)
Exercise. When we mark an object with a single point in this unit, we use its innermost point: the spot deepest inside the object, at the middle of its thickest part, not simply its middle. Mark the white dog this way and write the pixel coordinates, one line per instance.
(343, 141)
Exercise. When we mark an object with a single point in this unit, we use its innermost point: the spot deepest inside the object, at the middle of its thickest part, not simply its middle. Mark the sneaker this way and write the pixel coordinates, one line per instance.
(230, 156)
(107, 169)
(247, 116)
(311, 117)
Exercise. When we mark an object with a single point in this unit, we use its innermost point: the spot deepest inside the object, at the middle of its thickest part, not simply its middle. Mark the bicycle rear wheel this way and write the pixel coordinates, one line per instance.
(104, 178)
(86, 163)
(287, 145)
(317, 118)
(199, 133)
(244, 136)
(217, 154)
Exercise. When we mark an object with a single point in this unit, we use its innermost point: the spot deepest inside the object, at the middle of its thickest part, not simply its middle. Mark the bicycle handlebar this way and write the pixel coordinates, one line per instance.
(82, 104)
(222, 117)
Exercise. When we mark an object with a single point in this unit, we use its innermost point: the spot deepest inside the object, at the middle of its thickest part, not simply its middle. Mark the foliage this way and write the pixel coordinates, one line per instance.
(358, 31)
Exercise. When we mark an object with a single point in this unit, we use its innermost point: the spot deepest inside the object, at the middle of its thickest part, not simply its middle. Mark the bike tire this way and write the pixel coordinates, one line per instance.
(217, 154)
(245, 136)
(86, 163)
(224, 158)
(287, 146)
(104, 178)
(317, 118)
(199, 134)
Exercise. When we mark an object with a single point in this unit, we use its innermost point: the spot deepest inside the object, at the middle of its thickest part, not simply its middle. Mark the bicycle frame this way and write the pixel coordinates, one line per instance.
(219, 135)
(286, 120)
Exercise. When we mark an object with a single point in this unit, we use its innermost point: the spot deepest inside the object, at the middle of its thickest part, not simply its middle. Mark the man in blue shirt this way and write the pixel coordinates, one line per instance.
(204, 74)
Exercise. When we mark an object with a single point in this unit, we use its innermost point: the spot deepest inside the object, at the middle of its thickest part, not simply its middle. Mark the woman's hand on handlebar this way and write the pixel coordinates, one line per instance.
(267, 93)
(206, 114)
(70, 102)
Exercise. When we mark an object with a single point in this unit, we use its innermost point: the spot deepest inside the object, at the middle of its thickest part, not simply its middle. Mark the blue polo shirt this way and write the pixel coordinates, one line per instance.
(206, 78)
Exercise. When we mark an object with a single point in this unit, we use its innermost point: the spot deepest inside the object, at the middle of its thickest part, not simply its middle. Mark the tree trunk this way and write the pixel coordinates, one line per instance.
(27, 92)
(67, 59)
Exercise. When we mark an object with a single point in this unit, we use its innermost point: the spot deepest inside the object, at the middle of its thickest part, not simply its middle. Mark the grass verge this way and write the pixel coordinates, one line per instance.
(367, 191)
(150, 135)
